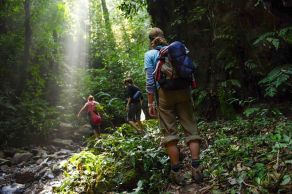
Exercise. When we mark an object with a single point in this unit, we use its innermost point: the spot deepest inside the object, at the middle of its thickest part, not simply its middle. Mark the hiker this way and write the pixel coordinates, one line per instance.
(92, 114)
(134, 104)
(170, 105)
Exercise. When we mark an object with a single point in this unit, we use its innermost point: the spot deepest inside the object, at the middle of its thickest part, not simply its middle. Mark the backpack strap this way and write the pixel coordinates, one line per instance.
(161, 60)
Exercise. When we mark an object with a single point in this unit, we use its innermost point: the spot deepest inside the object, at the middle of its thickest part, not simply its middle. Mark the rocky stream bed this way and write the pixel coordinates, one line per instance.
(36, 169)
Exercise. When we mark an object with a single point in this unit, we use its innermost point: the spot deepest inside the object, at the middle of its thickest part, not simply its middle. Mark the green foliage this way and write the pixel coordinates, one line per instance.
(261, 112)
(27, 112)
(268, 38)
(32, 124)
(234, 164)
(246, 156)
(131, 8)
(225, 92)
(278, 80)
(118, 162)
(273, 38)
(279, 77)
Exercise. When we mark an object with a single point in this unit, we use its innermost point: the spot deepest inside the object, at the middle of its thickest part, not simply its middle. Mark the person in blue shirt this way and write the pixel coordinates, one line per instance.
(172, 105)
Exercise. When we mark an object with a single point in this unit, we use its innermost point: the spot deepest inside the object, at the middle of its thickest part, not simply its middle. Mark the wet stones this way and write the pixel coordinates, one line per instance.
(21, 157)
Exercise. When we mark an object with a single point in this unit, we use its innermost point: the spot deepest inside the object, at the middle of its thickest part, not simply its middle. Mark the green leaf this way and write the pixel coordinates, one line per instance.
(275, 42)
(288, 162)
(286, 180)
(263, 37)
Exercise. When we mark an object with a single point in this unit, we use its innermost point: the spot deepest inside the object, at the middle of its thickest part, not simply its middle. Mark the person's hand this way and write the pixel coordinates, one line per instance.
(151, 110)
(78, 115)
(127, 108)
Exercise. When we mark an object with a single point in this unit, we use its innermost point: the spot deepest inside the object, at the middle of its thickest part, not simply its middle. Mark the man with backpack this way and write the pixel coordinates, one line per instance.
(169, 78)
(134, 104)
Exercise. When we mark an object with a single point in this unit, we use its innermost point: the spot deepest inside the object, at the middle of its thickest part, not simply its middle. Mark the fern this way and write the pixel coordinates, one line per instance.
(263, 37)
(279, 76)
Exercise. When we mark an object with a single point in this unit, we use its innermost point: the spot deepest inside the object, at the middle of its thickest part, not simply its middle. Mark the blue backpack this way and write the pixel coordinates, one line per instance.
(175, 69)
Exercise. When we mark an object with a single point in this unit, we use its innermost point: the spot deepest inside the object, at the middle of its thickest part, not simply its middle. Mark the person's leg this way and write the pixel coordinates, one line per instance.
(137, 110)
(139, 124)
(131, 116)
(173, 152)
(194, 146)
(187, 120)
(134, 125)
(197, 174)
(167, 120)
(96, 130)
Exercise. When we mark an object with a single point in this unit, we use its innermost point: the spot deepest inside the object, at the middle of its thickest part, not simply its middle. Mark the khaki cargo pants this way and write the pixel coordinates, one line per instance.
(175, 104)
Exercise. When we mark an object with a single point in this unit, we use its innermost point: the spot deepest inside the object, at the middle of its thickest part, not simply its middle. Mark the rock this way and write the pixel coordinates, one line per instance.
(52, 149)
(60, 107)
(44, 163)
(66, 126)
(2, 154)
(62, 142)
(4, 161)
(65, 130)
(21, 157)
(82, 132)
(5, 168)
(42, 172)
(56, 169)
(50, 176)
(39, 161)
(3, 180)
(10, 152)
(13, 189)
(24, 176)
(39, 152)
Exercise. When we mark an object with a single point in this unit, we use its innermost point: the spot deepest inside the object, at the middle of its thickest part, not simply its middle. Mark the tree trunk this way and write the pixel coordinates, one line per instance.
(23, 70)
(107, 22)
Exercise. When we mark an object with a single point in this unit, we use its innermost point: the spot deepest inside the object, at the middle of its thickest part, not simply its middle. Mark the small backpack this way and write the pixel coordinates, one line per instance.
(174, 69)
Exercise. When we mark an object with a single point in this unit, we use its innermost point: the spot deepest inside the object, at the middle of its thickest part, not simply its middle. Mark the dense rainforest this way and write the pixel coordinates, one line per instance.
(54, 54)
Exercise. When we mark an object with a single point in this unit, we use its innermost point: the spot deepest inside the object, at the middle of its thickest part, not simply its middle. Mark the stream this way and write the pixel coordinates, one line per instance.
(36, 169)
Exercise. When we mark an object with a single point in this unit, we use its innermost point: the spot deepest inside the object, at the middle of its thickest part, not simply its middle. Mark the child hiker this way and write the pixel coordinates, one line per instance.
(134, 104)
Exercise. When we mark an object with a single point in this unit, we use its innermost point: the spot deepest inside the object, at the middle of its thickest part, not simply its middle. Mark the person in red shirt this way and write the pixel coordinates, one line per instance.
(91, 109)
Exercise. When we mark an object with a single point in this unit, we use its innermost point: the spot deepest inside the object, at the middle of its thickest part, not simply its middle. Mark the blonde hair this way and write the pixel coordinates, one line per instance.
(90, 98)
(158, 41)
(156, 37)
(155, 32)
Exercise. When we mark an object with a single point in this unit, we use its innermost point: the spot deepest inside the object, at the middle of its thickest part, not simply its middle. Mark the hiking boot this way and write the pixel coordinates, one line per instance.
(197, 174)
(177, 178)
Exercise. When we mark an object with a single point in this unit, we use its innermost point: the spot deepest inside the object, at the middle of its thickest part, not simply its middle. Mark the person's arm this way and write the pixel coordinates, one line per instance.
(85, 105)
(150, 86)
(141, 100)
(128, 103)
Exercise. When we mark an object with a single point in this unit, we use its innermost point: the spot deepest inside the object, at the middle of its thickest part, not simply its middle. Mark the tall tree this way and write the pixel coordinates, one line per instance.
(107, 22)
(27, 46)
